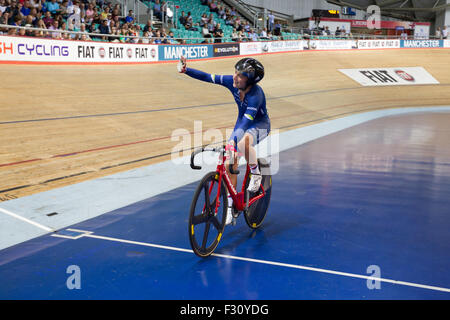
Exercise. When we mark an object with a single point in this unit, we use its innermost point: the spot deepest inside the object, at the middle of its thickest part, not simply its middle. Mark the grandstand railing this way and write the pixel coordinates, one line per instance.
(47, 33)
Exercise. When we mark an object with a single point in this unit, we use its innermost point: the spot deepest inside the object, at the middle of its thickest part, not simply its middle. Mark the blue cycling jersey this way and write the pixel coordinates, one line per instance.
(252, 110)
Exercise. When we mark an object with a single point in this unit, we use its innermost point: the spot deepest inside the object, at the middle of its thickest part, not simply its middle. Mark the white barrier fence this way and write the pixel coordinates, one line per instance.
(29, 49)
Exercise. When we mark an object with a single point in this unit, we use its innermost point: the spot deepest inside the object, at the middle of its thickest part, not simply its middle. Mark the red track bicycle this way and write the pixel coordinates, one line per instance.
(209, 205)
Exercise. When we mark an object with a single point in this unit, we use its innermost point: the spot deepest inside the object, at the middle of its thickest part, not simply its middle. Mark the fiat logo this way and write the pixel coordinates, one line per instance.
(405, 76)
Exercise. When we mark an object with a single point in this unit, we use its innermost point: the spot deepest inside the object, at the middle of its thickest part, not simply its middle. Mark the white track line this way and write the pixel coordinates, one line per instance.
(26, 220)
(280, 264)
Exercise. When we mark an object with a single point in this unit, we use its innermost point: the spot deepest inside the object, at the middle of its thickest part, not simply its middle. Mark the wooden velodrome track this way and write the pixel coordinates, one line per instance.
(65, 124)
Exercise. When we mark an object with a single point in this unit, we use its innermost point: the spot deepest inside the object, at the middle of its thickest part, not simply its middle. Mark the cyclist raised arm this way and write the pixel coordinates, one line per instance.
(252, 124)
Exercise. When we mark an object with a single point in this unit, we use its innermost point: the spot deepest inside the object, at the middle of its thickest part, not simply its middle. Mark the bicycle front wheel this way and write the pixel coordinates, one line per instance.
(207, 215)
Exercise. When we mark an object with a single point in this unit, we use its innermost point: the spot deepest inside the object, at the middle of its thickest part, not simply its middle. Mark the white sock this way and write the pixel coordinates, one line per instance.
(255, 169)
(230, 201)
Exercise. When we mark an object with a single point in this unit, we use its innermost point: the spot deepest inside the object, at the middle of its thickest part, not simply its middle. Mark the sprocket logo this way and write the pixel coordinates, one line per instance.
(153, 52)
(405, 76)
(101, 52)
(129, 53)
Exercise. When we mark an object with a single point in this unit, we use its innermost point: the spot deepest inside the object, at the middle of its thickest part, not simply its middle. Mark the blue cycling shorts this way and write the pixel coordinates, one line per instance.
(259, 131)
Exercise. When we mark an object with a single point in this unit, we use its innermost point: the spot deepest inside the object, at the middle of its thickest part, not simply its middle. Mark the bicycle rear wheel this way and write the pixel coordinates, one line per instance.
(205, 225)
(256, 213)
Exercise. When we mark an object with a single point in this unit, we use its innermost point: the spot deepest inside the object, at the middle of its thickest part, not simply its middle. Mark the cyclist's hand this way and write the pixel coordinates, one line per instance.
(231, 150)
(182, 65)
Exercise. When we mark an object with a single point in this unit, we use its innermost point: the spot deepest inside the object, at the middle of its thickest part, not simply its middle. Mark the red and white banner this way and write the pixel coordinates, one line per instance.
(332, 44)
(390, 76)
(282, 46)
(378, 44)
(247, 48)
(389, 24)
(48, 50)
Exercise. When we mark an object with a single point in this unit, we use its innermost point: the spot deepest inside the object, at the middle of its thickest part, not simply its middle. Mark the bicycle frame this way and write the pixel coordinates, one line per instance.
(238, 197)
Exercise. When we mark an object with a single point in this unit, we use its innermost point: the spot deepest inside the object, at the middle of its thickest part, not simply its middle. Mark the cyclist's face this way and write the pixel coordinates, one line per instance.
(239, 81)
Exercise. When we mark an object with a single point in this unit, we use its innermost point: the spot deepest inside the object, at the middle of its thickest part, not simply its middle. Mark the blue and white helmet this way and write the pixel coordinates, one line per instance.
(251, 68)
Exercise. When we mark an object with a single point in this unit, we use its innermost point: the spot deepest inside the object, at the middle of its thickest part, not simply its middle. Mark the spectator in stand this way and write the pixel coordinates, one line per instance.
(40, 24)
(253, 35)
(130, 17)
(263, 34)
(233, 12)
(438, 34)
(205, 31)
(17, 21)
(104, 29)
(211, 25)
(116, 20)
(48, 19)
(344, 33)
(13, 10)
(189, 20)
(182, 18)
(157, 39)
(221, 12)
(170, 38)
(105, 12)
(55, 26)
(85, 37)
(116, 32)
(229, 21)
(277, 29)
(204, 20)
(157, 10)
(2, 17)
(337, 33)
(116, 10)
(146, 39)
(148, 26)
(123, 33)
(238, 26)
(89, 14)
(211, 17)
(53, 7)
(21, 32)
(247, 26)
(134, 32)
(33, 14)
(218, 34)
(444, 33)
(213, 6)
(63, 26)
(84, 32)
(271, 20)
(3, 6)
(234, 35)
(63, 7)
(26, 8)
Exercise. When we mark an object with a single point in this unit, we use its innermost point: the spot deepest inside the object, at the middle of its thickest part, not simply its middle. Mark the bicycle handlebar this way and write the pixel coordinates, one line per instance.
(193, 166)
(200, 150)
